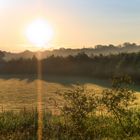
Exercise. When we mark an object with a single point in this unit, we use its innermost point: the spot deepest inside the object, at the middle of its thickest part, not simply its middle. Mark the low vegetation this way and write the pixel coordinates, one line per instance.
(86, 115)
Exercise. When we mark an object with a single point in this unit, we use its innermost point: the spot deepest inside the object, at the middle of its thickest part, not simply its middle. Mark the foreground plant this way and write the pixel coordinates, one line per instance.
(112, 105)
(79, 103)
(117, 102)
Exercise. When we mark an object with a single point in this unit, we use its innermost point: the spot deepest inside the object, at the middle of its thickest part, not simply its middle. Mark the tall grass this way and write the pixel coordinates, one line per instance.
(23, 126)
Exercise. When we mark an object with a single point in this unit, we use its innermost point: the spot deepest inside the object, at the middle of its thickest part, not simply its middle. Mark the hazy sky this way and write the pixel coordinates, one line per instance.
(76, 23)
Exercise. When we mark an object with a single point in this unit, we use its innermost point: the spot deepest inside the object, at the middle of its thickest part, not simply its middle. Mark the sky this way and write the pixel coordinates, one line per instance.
(76, 23)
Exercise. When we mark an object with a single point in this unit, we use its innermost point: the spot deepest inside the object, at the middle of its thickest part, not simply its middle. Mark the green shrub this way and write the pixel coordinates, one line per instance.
(108, 114)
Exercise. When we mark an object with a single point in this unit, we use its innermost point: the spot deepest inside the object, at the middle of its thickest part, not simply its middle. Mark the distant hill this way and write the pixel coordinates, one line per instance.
(97, 50)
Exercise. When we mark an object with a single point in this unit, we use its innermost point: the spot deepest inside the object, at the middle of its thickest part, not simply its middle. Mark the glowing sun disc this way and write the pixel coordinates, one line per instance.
(39, 32)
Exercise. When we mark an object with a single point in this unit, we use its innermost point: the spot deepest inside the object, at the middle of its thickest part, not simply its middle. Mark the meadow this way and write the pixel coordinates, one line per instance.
(20, 91)
(80, 118)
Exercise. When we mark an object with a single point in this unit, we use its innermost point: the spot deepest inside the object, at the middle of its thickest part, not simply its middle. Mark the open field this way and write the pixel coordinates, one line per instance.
(17, 92)
(17, 123)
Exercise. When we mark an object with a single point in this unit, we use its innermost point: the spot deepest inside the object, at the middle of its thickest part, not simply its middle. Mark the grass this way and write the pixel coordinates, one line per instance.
(17, 92)
(77, 119)
(23, 125)
(21, 91)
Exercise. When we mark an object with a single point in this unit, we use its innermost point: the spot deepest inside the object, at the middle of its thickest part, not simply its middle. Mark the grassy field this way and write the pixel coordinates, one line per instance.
(17, 92)
(19, 117)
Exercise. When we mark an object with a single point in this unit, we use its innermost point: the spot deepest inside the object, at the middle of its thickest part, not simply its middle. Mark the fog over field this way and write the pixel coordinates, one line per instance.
(65, 52)
(23, 93)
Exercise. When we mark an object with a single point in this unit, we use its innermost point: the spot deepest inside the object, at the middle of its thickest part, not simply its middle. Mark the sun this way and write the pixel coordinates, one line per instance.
(39, 32)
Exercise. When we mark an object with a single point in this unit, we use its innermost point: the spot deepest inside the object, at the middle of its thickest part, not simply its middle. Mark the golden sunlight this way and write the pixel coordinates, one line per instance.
(39, 32)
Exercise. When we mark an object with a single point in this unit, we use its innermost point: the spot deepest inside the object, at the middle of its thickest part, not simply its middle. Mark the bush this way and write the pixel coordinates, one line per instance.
(79, 104)
(109, 114)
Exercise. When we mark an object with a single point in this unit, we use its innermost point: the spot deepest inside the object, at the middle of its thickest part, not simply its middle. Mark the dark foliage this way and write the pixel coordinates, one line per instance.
(80, 65)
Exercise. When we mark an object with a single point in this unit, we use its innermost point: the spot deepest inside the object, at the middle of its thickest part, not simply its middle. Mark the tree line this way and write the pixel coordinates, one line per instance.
(79, 65)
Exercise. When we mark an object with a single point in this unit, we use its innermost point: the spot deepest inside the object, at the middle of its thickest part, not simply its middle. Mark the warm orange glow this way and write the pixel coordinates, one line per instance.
(39, 32)
(39, 100)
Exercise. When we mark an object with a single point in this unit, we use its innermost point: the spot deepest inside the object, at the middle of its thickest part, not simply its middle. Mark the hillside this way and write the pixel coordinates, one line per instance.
(97, 50)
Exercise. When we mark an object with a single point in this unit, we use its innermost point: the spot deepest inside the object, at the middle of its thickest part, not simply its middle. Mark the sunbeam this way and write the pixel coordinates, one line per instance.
(39, 98)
